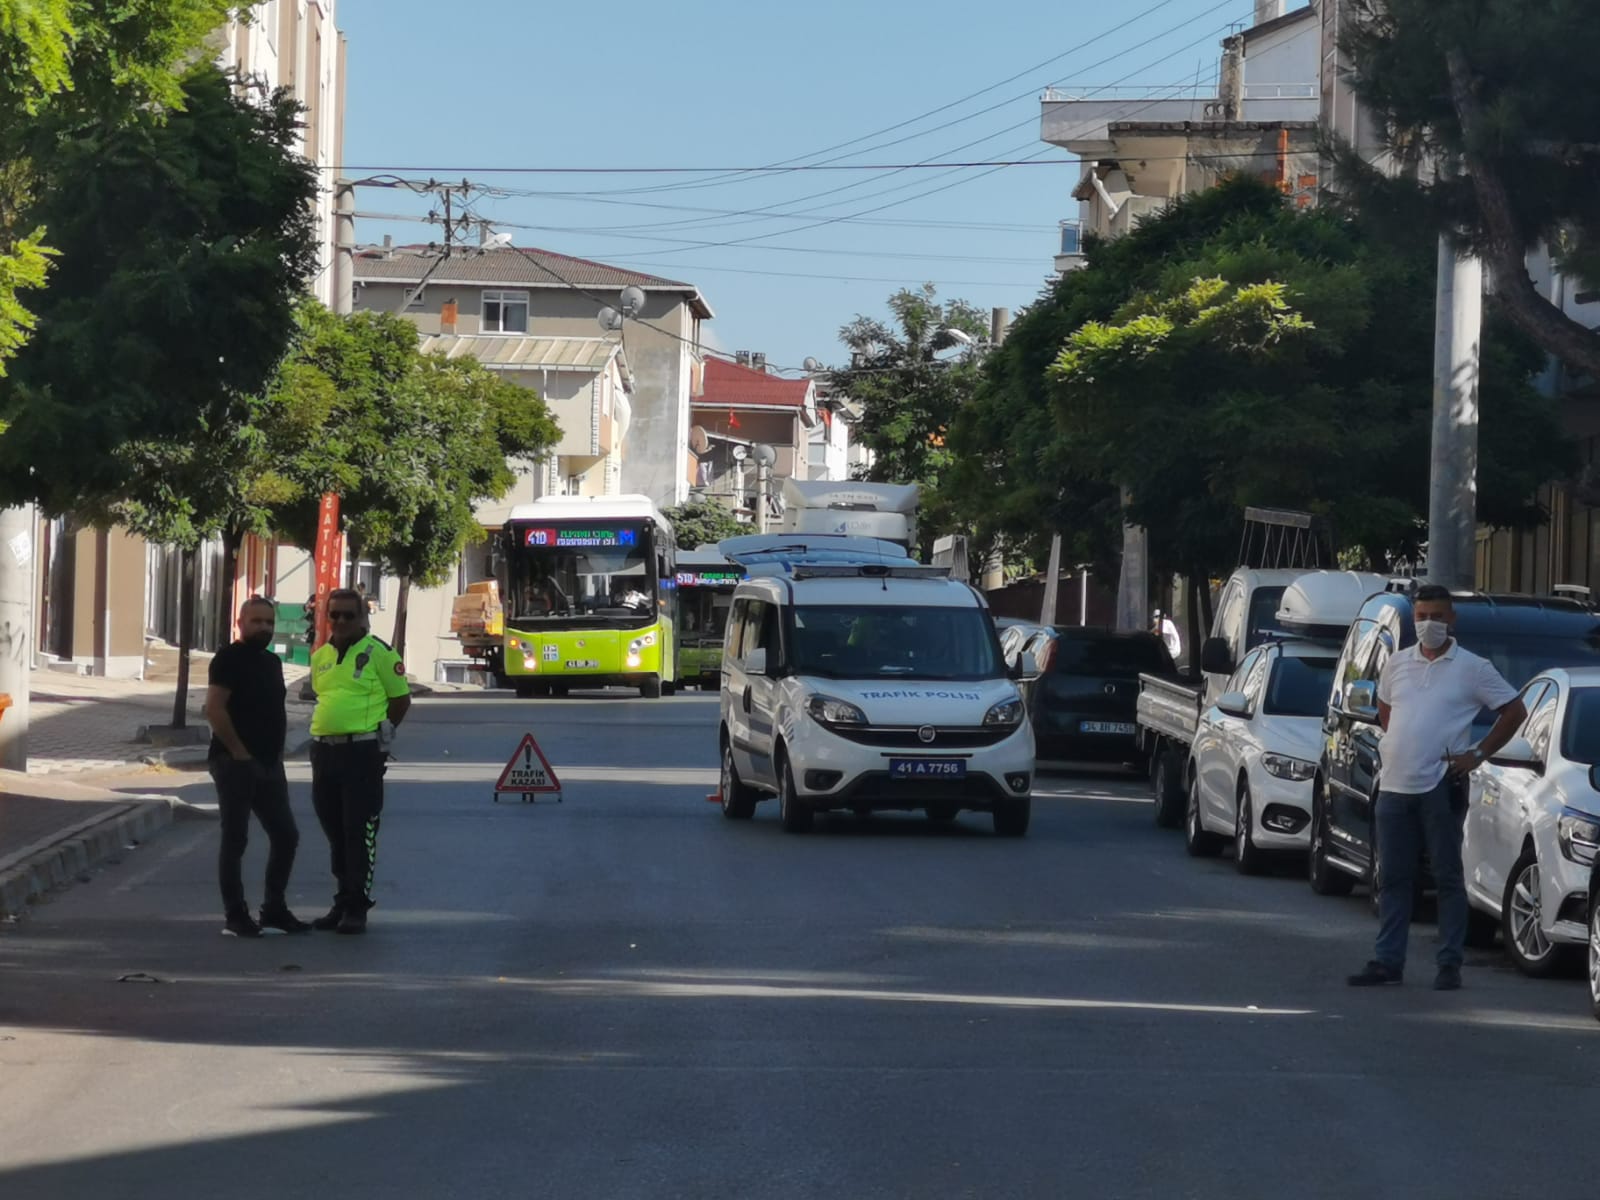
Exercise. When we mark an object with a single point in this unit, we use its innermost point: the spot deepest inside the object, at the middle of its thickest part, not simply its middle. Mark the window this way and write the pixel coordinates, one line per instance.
(1237, 682)
(759, 631)
(369, 582)
(1264, 603)
(734, 647)
(1255, 679)
(1580, 737)
(505, 312)
(1122, 656)
(1541, 722)
(1300, 687)
(1228, 614)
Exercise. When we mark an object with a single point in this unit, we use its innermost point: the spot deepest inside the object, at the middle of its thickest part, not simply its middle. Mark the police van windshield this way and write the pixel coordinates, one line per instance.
(562, 571)
(873, 642)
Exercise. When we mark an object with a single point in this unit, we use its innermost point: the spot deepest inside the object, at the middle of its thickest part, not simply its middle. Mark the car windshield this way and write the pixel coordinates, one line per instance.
(1519, 657)
(878, 642)
(1300, 687)
(1122, 657)
(1580, 736)
(1264, 603)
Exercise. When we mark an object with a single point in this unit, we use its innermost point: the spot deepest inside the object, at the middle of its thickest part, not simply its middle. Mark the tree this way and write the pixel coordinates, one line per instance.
(1233, 351)
(1505, 92)
(908, 396)
(451, 445)
(411, 443)
(184, 246)
(65, 64)
(703, 523)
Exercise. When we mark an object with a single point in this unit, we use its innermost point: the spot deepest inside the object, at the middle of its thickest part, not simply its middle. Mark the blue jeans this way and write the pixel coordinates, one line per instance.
(1405, 824)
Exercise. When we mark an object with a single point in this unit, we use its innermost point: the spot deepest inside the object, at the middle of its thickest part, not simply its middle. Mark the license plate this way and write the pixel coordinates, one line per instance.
(1119, 727)
(927, 768)
(581, 664)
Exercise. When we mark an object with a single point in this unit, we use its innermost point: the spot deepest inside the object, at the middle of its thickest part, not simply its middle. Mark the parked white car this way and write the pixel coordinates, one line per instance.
(866, 687)
(1256, 751)
(1533, 824)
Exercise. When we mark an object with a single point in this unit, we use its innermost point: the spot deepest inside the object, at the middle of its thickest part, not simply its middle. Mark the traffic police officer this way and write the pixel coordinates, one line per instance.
(362, 694)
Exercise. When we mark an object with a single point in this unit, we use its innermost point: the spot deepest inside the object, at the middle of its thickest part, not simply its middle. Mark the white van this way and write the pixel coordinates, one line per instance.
(869, 685)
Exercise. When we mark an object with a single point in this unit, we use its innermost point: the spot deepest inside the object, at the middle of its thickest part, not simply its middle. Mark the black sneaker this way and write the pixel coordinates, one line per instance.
(282, 919)
(330, 922)
(352, 922)
(1375, 974)
(240, 925)
(1448, 979)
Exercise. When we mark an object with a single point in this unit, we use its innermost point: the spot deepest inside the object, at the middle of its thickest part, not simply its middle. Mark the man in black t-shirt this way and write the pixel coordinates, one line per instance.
(245, 706)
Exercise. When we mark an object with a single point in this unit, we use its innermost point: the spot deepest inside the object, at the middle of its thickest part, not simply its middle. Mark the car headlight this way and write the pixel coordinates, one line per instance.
(1284, 767)
(827, 710)
(1007, 714)
(1579, 835)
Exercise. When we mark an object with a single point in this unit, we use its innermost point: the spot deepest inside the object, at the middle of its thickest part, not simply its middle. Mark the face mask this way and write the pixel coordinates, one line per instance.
(1432, 634)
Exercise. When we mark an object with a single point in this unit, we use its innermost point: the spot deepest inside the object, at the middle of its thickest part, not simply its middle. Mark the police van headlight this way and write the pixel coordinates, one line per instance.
(1007, 714)
(1297, 770)
(827, 710)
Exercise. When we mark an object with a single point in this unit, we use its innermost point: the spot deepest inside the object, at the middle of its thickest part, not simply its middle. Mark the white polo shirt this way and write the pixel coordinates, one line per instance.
(1433, 705)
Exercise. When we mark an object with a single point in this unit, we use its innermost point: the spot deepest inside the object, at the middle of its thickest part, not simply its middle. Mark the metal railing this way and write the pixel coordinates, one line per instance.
(1091, 93)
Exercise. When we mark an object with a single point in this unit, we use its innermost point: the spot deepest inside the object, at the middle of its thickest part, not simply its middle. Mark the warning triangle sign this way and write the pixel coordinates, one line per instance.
(529, 770)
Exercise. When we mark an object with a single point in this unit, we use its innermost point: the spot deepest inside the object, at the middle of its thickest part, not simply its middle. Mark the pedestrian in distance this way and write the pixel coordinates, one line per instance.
(1428, 696)
(245, 708)
(362, 696)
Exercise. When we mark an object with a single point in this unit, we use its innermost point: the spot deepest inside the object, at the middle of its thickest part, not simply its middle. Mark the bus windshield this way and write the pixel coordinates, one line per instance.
(559, 572)
(703, 614)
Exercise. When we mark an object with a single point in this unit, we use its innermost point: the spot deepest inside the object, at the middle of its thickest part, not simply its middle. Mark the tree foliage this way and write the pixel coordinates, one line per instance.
(703, 523)
(1504, 94)
(185, 244)
(66, 64)
(1235, 352)
(909, 397)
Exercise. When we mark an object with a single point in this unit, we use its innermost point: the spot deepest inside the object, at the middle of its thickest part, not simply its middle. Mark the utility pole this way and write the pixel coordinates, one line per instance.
(1133, 587)
(344, 247)
(1453, 480)
(1052, 583)
(16, 632)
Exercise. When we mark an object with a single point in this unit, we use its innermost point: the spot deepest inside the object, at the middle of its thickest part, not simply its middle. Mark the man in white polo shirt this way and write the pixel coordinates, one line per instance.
(1428, 696)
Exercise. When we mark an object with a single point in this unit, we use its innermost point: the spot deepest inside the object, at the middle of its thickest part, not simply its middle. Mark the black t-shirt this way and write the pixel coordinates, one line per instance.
(254, 679)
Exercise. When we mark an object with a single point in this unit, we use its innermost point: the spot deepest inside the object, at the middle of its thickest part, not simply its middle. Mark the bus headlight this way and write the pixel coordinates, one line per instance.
(638, 646)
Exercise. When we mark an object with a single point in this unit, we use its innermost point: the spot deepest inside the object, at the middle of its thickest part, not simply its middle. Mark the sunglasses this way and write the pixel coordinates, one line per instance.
(342, 614)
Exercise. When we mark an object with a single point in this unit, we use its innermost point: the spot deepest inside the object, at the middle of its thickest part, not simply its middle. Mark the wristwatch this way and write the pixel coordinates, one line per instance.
(1479, 756)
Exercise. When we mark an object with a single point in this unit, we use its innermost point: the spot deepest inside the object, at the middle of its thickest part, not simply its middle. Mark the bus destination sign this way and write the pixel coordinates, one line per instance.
(710, 578)
(594, 536)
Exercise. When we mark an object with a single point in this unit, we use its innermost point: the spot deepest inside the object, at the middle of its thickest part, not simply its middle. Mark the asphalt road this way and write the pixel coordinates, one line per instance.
(624, 995)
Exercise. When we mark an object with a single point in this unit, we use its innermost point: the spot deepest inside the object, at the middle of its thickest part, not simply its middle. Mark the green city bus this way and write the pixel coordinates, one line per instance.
(705, 594)
(588, 587)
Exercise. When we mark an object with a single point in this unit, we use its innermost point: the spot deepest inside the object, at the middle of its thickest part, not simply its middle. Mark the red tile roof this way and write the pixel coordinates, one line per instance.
(730, 385)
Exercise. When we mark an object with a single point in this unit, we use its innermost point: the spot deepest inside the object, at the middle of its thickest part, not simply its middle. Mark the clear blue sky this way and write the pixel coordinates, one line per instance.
(698, 83)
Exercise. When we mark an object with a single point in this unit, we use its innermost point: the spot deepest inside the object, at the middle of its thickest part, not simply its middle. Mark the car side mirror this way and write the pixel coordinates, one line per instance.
(1234, 704)
(1216, 657)
(1518, 752)
(755, 662)
(1361, 700)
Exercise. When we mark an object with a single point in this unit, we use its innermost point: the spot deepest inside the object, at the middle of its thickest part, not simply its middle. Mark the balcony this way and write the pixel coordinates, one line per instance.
(1070, 257)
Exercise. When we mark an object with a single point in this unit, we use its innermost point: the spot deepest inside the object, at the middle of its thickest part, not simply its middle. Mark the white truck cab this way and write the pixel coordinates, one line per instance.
(866, 685)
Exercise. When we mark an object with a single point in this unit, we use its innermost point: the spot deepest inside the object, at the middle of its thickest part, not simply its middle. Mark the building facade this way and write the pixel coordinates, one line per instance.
(740, 409)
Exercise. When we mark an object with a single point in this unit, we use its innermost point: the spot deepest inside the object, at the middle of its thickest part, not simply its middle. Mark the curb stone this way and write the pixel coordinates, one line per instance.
(193, 758)
(60, 859)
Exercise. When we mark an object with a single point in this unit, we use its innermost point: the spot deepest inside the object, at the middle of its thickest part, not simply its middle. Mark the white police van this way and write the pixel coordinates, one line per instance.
(854, 678)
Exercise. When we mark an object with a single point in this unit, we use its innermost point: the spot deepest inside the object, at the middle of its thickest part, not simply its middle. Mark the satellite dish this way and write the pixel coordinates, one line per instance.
(610, 319)
(632, 301)
(812, 365)
(497, 241)
(740, 453)
(765, 455)
(699, 443)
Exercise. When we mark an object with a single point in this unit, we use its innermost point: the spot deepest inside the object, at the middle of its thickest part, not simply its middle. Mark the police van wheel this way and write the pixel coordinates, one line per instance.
(794, 814)
(650, 689)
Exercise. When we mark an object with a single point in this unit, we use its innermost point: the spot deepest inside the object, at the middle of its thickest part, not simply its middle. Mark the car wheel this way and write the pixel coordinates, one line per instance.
(1594, 956)
(1197, 839)
(1011, 817)
(795, 814)
(1520, 913)
(1167, 784)
(1249, 859)
(1326, 879)
(738, 801)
